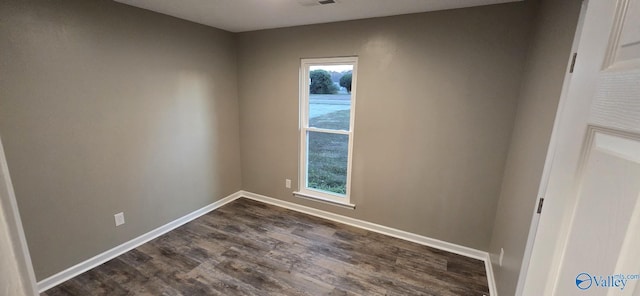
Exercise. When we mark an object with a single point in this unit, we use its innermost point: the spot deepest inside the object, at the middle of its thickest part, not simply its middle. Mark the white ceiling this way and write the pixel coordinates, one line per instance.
(249, 15)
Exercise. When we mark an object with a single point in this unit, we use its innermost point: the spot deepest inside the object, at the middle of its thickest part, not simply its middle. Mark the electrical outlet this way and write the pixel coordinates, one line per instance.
(501, 256)
(119, 217)
(287, 183)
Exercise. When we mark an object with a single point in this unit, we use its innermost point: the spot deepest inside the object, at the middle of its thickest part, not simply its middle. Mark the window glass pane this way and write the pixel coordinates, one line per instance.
(330, 96)
(327, 162)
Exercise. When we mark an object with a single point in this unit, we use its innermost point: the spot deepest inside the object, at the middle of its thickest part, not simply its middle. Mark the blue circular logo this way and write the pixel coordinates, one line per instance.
(584, 281)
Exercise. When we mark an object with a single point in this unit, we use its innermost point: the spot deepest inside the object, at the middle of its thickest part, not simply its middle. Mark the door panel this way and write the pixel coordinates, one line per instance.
(629, 44)
(608, 187)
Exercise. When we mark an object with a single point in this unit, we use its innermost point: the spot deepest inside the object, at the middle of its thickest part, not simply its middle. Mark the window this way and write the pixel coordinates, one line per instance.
(327, 108)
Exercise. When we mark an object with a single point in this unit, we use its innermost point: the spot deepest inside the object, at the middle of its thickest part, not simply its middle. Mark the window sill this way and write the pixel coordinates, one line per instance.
(323, 200)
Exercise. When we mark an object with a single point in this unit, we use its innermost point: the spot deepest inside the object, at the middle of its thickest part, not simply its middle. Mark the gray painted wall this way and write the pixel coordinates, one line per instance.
(542, 84)
(107, 108)
(436, 102)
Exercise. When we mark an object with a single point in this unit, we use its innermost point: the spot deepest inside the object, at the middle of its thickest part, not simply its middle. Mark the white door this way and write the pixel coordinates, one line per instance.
(588, 239)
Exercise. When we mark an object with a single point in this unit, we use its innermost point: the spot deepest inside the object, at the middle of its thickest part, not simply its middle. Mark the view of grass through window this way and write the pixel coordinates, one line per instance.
(329, 109)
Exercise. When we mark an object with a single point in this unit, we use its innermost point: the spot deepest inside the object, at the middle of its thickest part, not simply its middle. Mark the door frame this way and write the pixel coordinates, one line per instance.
(544, 180)
(9, 205)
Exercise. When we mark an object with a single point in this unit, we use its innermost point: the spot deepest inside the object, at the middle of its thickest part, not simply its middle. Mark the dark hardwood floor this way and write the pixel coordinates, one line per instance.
(251, 248)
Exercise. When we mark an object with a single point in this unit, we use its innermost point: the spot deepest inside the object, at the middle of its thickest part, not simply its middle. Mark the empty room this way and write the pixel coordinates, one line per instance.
(305, 147)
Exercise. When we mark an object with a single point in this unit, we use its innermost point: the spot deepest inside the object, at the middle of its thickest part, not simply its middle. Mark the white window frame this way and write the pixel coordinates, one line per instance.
(303, 190)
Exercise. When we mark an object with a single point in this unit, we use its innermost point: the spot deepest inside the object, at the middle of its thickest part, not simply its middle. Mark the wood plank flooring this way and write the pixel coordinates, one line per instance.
(251, 248)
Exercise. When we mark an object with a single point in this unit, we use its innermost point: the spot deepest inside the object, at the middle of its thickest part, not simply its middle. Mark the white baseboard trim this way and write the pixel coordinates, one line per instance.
(491, 279)
(101, 258)
(401, 234)
(90, 263)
